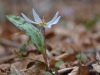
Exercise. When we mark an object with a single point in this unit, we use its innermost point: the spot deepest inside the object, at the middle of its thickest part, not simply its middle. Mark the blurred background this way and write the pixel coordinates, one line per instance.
(79, 26)
(75, 10)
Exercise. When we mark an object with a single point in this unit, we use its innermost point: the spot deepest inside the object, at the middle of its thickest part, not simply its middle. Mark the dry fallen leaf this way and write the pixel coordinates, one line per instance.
(36, 69)
(82, 70)
(74, 72)
(4, 69)
(96, 67)
(98, 56)
(64, 57)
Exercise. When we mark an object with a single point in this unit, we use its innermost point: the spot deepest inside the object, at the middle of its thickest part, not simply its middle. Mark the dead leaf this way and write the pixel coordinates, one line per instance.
(64, 57)
(50, 35)
(97, 56)
(74, 72)
(82, 70)
(4, 69)
(37, 69)
(96, 67)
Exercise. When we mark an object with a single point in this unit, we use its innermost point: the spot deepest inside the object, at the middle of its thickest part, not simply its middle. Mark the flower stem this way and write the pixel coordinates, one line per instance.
(45, 55)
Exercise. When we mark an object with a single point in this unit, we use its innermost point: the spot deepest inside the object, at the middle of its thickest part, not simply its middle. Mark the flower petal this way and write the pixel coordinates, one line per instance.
(36, 17)
(27, 19)
(54, 18)
(48, 26)
(55, 22)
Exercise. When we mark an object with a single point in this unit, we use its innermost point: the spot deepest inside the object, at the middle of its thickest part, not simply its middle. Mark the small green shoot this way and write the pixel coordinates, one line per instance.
(13, 74)
(53, 69)
(17, 54)
(59, 63)
(81, 56)
(47, 73)
(90, 24)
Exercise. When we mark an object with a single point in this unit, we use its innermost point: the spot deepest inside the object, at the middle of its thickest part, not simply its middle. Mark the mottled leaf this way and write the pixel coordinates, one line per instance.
(31, 31)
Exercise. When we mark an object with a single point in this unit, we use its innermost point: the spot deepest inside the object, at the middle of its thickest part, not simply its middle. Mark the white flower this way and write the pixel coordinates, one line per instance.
(42, 22)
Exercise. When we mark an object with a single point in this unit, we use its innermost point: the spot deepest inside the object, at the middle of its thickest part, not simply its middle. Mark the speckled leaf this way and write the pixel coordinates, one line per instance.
(31, 31)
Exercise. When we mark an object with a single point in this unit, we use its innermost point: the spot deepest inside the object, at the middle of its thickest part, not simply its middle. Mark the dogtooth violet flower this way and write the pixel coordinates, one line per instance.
(42, 22)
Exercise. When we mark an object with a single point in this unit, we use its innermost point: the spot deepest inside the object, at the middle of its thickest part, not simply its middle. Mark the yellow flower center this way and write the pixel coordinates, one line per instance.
(42, 24)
